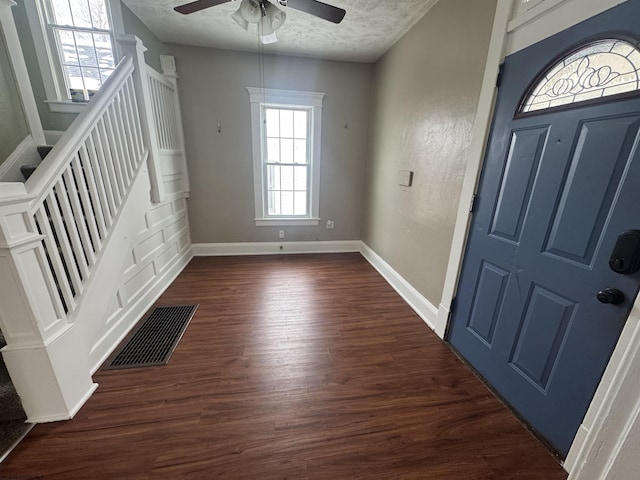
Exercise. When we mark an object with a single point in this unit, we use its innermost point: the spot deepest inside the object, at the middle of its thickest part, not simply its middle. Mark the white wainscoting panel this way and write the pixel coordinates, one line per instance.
(160, 253)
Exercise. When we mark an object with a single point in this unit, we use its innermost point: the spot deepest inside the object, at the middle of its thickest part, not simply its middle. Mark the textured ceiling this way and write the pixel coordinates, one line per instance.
(368, 30)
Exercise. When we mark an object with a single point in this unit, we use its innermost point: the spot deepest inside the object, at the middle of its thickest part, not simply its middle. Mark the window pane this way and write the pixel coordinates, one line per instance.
(81, 13)
(273, 150)
(286, 123)
(67, 45)
(300, 178)
(287, 203)
(286, 178)
(272, 118)
(300, 124)
(61, 12)
(601, 68)
(86, 50)
(91, 78)
(273, 200)
(104, 51)
(99, 15)
(300, 205)
(273, 177)
(300, 151)
(286, 150)
(74, 77)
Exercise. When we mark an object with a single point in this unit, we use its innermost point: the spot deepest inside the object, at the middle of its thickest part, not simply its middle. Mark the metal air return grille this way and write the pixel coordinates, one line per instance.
(156, 339)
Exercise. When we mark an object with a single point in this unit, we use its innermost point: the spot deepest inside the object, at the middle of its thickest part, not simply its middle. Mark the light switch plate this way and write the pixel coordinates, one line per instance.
(405, 178)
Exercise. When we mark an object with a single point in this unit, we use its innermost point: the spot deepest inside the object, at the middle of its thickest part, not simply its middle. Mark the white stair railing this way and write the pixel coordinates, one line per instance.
(81, 185)
(55, 227)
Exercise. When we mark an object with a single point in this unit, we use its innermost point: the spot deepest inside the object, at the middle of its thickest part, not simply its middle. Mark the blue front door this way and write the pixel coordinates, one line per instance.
(558, 187)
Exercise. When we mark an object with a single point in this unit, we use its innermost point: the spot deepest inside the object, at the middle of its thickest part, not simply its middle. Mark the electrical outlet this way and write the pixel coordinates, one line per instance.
(330, 224)
(281, 234)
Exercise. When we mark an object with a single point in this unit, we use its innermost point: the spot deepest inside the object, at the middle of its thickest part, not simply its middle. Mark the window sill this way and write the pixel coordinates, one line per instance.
(287, 222)
(66, 107)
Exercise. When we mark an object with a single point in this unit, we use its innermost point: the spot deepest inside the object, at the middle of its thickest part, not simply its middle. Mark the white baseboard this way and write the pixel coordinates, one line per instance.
(72, 412)
(273, 248)
(134, 313)
(427, 311)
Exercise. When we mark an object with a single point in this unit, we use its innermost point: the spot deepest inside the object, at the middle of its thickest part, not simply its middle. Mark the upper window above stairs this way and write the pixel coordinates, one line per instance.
(75, 48)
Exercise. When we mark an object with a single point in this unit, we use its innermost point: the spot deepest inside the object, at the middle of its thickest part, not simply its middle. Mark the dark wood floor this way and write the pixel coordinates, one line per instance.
(306, 367)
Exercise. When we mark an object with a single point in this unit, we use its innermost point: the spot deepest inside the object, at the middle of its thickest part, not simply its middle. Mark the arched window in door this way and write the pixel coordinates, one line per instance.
(596, 70)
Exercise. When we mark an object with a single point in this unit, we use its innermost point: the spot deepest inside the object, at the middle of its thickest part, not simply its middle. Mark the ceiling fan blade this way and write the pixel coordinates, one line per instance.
(198, 5)
(318, 9)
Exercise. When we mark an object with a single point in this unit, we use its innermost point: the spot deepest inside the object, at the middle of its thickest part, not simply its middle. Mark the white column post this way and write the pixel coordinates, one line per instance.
(132, 46)
(168, 64)
(45, 357)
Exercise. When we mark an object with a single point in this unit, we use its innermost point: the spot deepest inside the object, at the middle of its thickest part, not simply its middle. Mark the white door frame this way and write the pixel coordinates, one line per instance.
(612, 423)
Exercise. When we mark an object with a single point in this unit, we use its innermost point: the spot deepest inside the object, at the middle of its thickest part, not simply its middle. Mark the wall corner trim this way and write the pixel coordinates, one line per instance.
(425, 309)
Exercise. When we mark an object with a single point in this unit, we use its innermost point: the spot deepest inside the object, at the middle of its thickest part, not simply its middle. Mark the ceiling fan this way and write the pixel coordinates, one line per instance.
(266, 15)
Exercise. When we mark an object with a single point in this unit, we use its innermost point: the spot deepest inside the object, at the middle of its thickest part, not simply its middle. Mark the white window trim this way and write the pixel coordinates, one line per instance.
(284, 99)
(48, 60)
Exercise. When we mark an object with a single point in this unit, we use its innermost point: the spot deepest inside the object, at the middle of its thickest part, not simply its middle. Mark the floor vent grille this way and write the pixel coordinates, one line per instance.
(155, 340)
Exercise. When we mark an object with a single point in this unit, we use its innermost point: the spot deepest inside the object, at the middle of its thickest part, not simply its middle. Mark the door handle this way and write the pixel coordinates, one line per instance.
(610, 295)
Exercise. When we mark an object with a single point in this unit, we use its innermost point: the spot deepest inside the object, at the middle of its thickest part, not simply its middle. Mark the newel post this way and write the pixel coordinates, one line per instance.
(44, 355)
(169, 71)
(133, 47)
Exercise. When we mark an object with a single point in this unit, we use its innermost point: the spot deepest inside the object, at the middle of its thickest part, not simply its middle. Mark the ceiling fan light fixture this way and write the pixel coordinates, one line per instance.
(274, 16)
(249, 10)
(240, 20)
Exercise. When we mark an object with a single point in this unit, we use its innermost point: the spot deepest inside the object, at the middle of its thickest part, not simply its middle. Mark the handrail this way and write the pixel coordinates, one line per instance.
(75, 134)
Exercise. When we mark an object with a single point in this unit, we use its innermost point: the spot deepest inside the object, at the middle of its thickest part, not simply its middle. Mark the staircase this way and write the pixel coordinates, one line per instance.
(27, 170)
(90, 239)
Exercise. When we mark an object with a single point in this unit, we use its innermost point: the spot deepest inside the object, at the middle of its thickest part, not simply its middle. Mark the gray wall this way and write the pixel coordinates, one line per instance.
(13, 123)
(425, 94)
(61, 121)
(213, 90)
(155, 47)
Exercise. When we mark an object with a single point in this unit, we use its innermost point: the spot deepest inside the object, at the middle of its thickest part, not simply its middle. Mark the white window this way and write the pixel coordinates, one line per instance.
(75, 48)
(286, 128)
(597, 70)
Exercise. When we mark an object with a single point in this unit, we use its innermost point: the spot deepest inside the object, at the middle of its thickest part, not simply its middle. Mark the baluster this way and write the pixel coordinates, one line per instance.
(64, 286)
(71, 225)
(119, 128)
(89, 247)
(97, 177)
(136, 116)
(85, 203)
(93, 182)
(93, 214)
(106, 140)
(127, 132)
(62, 236)
(108, 176)
(116, 143)
(135, 127)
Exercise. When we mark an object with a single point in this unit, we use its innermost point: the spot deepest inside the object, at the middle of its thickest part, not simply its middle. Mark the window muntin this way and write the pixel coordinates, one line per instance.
(286, 156)
(81, 33)
(597, 70)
